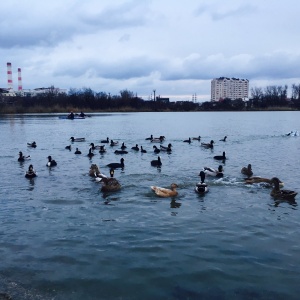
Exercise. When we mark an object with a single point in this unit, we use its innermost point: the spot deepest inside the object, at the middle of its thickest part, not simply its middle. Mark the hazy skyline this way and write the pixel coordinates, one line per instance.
(174, 47)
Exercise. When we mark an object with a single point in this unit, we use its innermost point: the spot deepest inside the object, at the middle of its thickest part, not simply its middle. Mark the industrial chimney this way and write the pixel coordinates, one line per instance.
(20, 88)
(9, 77)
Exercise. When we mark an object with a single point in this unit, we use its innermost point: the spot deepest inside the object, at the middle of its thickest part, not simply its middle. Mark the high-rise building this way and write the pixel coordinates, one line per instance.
(231, 88)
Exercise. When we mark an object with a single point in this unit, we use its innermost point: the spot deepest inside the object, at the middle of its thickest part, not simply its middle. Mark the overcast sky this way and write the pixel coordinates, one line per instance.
(173, 47)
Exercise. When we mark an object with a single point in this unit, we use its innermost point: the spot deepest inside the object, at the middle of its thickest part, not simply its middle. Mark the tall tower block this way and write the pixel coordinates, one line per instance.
(20, 88)
(9, 77)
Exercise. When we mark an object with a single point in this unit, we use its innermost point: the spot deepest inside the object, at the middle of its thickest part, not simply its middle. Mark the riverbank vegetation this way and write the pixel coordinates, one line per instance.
(85, 99)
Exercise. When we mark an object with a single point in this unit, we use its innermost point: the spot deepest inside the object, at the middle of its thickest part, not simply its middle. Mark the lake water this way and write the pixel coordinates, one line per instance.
(62, 238)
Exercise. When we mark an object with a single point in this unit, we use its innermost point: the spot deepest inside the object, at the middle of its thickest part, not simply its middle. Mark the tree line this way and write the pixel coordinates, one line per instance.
(86, 99)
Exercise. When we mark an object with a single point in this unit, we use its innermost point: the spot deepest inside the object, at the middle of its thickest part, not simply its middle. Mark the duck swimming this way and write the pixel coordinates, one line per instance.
(220, 157)
(163, 192)
(110, 184)
(258, 179)
(123, 147)
(197, 138)
(149, 138)
(247, 170)
(94, 147)
(51, 162)
(158, 140)
(156, 150)
(112, 143)
(201, 187)
(105, 141)
(77, 139)
(30, 173)
(121, 152)
(77, 151)
(23, 157)
(90, 154)
(281, 194)
(187, 141)
(213, 172)
(208, 145)
(143, 150)
(68, 147)
(168, 148)
(102, 149)
(33, 144)
(223, 139)
(136, 148)
(94, 171)
(117, 165)
(156, 162)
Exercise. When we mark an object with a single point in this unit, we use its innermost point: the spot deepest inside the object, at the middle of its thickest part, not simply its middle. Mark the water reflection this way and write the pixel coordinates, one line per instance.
(174, 204)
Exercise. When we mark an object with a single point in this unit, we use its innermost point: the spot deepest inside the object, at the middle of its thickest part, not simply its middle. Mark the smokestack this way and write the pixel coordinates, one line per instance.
(20, 88)
(9, 77)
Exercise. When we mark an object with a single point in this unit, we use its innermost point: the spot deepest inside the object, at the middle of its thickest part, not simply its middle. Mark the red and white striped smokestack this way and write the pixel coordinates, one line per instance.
(9, 76)
(20, 88)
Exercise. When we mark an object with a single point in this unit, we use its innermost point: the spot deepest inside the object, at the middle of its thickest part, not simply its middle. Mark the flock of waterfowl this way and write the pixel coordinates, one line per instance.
(111, 184)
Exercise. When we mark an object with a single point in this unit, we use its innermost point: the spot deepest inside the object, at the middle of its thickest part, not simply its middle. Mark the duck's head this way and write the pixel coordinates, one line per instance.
(220, 168)
(212, 142)
(174, 186)
(49, 158)
(20, 153)
(111, 172)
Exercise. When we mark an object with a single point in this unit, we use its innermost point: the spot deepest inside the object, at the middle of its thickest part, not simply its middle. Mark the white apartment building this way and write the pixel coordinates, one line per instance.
(232, 88)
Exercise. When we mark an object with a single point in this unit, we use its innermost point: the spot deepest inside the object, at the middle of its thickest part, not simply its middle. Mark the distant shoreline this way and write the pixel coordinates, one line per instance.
(21, 110)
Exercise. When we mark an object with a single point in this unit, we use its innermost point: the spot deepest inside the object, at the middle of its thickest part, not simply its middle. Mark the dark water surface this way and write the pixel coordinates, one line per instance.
(62, 238)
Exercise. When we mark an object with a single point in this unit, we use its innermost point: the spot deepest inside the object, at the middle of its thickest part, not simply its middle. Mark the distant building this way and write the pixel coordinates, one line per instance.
(161, 99)
(232, 88)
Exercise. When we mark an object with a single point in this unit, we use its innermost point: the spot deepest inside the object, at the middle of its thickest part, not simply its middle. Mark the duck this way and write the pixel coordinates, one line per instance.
(121, 152)
(110, 184)
(168, 148)
(187, 141)
(201, 187)
(149, 138)
(143, 150)
(90, 154)
(156, 162)
(197, 138)
(220, 157)
(94, 147)
(94, 170)
(277, 193)
(165, 193)
(112, 143)
(156, 150)
(223, 139)
(117, 165)
(51, 162)
(158, 139)
(208, 145)
(102, 149)
(68, 147)
(77, 139)
(258, 179)
(23, 157)
(33, 144)
(30, 173)
(105, 141)
(213, 172)
(123, 147)
(136, 147)
(247, 170)
(77, 151)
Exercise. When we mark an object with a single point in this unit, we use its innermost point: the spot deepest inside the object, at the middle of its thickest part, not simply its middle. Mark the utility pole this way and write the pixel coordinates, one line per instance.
(154, 94)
